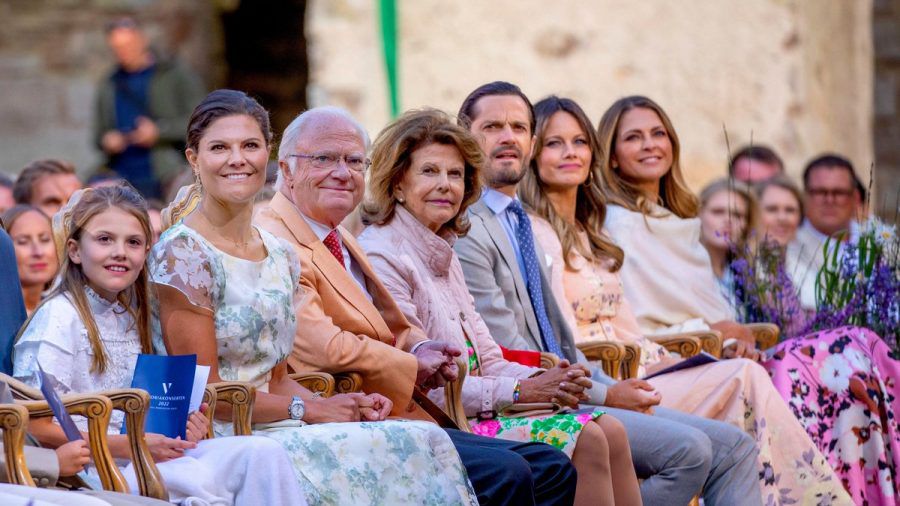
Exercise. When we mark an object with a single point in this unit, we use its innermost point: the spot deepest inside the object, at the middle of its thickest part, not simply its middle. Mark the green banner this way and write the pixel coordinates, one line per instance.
(388, 11)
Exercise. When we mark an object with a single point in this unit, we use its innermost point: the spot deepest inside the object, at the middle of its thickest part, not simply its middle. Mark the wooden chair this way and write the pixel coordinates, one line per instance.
(611, 355)
(621, 361)
(134, 403)
(766, 334)
(13, 422)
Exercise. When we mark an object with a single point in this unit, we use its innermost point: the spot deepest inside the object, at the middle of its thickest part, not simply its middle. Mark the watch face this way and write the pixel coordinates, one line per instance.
(297, 409)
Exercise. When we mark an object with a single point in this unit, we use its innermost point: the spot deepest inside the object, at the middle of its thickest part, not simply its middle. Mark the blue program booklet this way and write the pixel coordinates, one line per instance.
(697, 360)
(48, 388)
(169, 379)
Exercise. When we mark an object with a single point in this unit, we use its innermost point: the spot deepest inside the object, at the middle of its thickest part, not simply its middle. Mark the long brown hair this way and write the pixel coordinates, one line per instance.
(392, 156)
(590, 207)
(674, 193)
(68, 224)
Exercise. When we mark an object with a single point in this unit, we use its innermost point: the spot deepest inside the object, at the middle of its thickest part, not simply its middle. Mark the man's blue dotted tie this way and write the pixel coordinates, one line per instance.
(533, 278)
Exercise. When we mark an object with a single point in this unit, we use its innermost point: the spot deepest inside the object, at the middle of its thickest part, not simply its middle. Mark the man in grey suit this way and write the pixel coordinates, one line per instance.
(676, 454)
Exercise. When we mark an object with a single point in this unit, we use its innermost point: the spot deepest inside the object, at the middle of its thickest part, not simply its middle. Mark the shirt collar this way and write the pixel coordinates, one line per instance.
(319, 229)
(496, 201)
(98, 304)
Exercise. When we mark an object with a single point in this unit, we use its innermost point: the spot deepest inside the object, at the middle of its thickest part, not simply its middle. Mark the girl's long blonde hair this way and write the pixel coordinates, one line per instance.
(590, 208)
(674, 193)
(68, 224)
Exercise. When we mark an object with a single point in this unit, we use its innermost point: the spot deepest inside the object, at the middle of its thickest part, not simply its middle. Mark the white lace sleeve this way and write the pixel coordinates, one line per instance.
(49, 340)
(182, 262)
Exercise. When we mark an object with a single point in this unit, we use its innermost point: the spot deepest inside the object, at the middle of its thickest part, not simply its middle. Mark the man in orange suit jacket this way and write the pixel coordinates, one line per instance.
(347, 321)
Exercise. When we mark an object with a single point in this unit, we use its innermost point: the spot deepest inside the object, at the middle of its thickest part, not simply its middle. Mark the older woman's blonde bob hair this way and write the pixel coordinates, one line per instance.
(392, 157)
(674, 193)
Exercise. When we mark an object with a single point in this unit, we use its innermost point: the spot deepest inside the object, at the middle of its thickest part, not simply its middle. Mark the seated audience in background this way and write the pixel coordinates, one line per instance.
(46, 184)
(227, 293)
(831, 200)
(728, 215)
(141, 110)
(560, 188)
(752, 164)
(781, 212)
(425, 173)
(350, 322)
(36, 255)
(13, 313)
(668, 279)
(6, 193)
(87, 335)
(675, 454)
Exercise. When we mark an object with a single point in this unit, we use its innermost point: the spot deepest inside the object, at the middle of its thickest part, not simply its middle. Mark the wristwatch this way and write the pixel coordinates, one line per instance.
(297, 409)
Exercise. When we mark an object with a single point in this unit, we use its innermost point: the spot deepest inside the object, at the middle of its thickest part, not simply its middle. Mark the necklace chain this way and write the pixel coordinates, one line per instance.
(237, 244)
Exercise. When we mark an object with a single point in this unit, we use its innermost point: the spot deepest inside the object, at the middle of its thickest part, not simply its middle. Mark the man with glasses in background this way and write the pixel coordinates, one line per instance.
(831, 200)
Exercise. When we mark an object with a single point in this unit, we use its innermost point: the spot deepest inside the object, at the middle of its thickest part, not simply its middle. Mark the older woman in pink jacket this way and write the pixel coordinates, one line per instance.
(424, 175)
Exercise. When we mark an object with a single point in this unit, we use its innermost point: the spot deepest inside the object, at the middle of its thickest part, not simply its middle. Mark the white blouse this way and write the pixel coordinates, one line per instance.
(57, 339)
(667, 274)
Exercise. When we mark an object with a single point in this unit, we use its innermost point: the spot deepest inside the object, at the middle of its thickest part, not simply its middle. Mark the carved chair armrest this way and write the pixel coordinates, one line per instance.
(13, 420)
(241, 397)
(631, 362)
(766, 334)
(135, 403)
(453, 404)
(97, 409)
(710, 340)
(348, 382)
(548, 360)
(685, 345)
(320, 382)
(20, 390)
(608, 353)
(210, 398)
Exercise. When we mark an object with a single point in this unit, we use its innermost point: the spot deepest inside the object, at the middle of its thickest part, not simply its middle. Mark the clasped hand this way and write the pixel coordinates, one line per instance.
(564, 384)
(352, 407)
(437, 364)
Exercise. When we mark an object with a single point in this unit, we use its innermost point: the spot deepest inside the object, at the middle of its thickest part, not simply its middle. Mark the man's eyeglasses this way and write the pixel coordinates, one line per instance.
(826, 194)
(325, 160)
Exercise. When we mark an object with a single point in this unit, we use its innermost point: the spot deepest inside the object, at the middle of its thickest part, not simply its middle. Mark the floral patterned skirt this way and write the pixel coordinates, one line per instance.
(391, 462)
(739, 392)
(560, 430)
(841, 385)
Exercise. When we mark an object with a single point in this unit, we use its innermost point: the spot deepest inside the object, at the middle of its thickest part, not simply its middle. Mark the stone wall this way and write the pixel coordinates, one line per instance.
(798, 74)
(53, 52)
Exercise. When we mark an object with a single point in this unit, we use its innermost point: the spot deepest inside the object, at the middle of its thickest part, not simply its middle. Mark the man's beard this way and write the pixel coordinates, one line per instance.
(505, 173)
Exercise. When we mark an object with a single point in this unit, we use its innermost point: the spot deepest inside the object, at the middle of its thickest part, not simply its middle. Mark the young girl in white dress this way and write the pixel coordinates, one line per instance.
(88, 334)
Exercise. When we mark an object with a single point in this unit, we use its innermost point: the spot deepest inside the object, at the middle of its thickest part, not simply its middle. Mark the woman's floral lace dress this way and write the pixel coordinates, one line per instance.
(393, 462)
(841, 384)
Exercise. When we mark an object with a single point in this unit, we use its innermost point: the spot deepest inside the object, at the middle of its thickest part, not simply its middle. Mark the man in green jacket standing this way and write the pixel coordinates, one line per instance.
(142, 110)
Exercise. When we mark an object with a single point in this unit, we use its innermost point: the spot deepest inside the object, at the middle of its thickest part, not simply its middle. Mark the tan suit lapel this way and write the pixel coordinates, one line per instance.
(332, 271)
